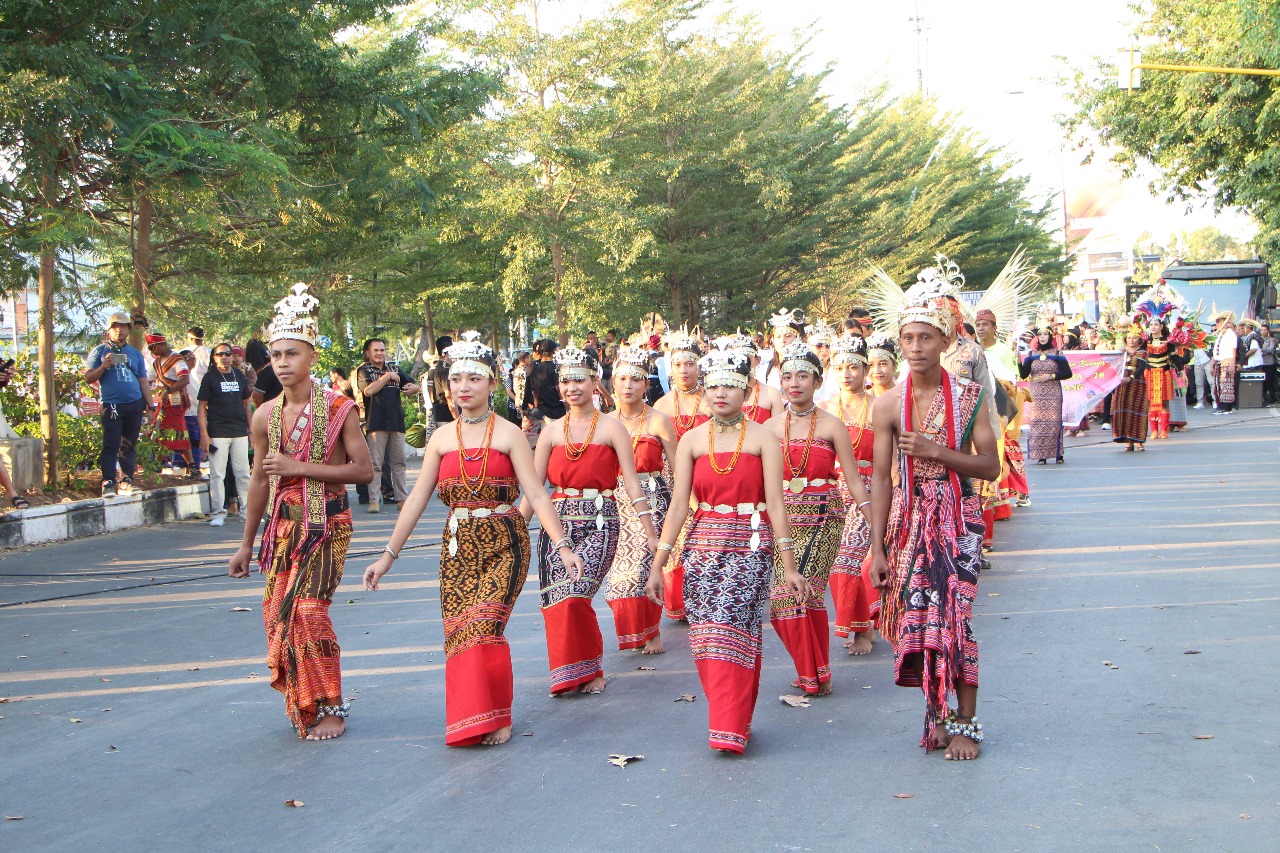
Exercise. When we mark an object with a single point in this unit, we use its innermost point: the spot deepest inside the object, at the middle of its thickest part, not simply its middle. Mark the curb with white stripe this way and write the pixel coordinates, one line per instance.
(79, 519)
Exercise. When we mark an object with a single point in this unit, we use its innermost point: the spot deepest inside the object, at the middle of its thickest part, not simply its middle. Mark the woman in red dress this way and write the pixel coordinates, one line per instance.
(653, 440)
(480, 465)
(733, 468)
(687, 410)
(851, 589)
(582, 455)
(813, 443)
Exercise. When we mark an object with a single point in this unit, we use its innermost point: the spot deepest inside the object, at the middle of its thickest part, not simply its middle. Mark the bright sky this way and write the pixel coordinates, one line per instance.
(976, 54)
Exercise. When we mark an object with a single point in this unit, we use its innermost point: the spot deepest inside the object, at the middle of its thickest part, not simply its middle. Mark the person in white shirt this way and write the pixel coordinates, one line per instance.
(1202, 374)
(1224, 363)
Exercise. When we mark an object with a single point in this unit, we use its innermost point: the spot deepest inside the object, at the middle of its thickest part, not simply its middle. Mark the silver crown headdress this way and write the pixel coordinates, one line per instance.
(295, 317)
(880, 345)
(798, 358)
(632, 361)
(820, 332)
(783, 318)
(848, 349)
(574, 363)
(725, 366)
(470, 355)
(683, 346)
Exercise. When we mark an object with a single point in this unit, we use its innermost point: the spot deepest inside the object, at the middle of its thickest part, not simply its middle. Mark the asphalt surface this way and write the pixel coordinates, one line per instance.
(138, 715)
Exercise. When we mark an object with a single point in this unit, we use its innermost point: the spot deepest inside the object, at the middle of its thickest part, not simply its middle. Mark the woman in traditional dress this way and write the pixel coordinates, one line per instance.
(653, 441)
(480, 464)
(1013, 477)
(1163, 366)
(762, 400)
(851, 590)
(687, 409)
(734, 469)
(1130, 402)
(1046, 367)
(813, 442)
(582, 455)
(882, 364)
(787, 329)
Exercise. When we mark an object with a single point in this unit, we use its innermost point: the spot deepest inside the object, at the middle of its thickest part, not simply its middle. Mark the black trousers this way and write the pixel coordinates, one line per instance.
(121, 423)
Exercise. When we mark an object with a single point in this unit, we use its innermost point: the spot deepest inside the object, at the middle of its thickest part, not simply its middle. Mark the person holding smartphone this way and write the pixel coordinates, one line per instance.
(126, 399)
(382, 383)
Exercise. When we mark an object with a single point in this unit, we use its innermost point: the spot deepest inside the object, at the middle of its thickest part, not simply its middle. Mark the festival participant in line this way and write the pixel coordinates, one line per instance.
(1164, 363)
(819, 337)
(1046, 366)
(1000, 356)
(788, 327)
(480, 462)
(927, 532)
(172, 397)
(685, 406)
(851, 592)
(1225, 365)
(762, 400)
(1129, 402)
(653, 441)
(307, 448)
(581, 455)
(882, 364)
(734, 470)
(813, 441)
(1013, 478)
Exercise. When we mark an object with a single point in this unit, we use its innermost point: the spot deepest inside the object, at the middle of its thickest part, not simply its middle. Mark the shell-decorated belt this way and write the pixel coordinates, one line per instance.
(462, 513)
(750, 509)
(597, 495)
(796, 485)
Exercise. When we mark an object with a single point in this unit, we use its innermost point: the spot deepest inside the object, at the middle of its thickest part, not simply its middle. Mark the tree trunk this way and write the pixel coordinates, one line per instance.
(677, 299)
(557, 271)
(48, 390)
(143, 215)
(428, 340)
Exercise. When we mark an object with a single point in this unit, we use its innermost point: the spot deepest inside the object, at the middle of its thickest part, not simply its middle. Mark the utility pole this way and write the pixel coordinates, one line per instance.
(918, 21)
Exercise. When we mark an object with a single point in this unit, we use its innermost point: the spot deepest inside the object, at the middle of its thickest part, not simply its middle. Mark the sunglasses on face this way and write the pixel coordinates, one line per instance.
(223, 354)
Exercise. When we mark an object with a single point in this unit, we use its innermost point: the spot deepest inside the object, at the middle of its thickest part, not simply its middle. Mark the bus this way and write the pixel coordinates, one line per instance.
(1241, 286)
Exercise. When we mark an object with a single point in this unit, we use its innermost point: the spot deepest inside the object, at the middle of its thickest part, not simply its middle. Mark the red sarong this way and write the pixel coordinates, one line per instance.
(478, 691)
(575, 648)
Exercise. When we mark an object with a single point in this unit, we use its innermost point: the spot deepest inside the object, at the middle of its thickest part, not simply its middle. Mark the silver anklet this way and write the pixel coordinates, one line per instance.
(323, 710)
(972, 729)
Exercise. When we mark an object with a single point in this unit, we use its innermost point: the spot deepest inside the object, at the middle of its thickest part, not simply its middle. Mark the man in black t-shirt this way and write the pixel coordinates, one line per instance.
(382, 384)
(223, 415)
(542, 388)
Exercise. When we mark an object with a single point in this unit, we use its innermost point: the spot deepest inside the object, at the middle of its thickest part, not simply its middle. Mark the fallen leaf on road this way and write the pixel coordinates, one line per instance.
(1192, 652)
(105, 710)
(1242, 817)
(105, 680)
(113, 748)
(1106, 663)
(19, 817)
(1203, 737)
(688, 697)
(193, 669)
(904, 796)
(75, 719)
(795, 701)
(623, 760)
(240, 610)
(1113, 666)
(294, 804)
(647, 668)
(993, 595)
(351, 601)
(526, 734)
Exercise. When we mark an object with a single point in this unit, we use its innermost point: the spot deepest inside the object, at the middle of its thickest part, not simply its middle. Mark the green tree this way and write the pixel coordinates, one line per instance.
(1211, 136)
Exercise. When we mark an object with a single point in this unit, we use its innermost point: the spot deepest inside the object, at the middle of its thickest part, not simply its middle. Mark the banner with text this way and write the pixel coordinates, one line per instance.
(1094, 375)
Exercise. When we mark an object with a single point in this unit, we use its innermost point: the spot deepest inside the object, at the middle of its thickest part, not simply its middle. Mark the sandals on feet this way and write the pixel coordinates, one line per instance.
(19, 502)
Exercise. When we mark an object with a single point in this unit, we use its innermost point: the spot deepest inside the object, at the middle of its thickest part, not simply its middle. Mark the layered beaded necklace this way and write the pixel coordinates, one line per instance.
(637, 432)
(475, 484)
(862, 417)
(683, 422)
(741, 423)
(750, 410)
(574, 452)
(792, 473)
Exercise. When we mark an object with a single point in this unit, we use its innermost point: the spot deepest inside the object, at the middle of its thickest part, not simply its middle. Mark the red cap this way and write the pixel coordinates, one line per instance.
(155, 339)
(237, 350)
(654, 342)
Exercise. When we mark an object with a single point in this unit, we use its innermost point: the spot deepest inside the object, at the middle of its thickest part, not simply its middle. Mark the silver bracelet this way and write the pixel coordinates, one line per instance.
(386, 549)
(635, 501)
(644, 512)
(562, 543)
(665, 546)
(861, 505)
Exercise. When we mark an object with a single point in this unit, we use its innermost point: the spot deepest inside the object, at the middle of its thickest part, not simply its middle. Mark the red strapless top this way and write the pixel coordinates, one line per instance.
(499, 467)
(698, 420)
(822, 460)
(864, 444)
(744, 484)
(760, 414)
(596, 468)
(648, 454)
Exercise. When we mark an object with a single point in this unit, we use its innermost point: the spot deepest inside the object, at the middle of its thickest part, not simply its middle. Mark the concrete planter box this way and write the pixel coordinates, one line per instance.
(89, 518)
(24, 459)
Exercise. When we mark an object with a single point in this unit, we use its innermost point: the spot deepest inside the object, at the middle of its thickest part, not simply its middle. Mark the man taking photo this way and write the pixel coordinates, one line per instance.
(382, 384)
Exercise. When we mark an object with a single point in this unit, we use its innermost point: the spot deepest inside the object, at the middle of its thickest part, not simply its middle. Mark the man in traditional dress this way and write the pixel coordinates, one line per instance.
(307, 447)
(927, 533)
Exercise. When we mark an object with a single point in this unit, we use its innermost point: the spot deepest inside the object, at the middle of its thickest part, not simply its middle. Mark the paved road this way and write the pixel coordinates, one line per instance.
(146, 723)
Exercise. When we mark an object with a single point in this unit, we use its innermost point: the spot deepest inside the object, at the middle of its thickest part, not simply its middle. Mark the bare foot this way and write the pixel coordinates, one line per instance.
(824, 689)
(327, 729)
(961, 748)
(497, 736)
(595, 685)
(860, 644)
(654, 646)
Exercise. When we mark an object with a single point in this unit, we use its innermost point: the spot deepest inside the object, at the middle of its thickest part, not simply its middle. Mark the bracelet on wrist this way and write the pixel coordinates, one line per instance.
(395, 555)
(665, 546)
(635, 501)
(861, 505)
